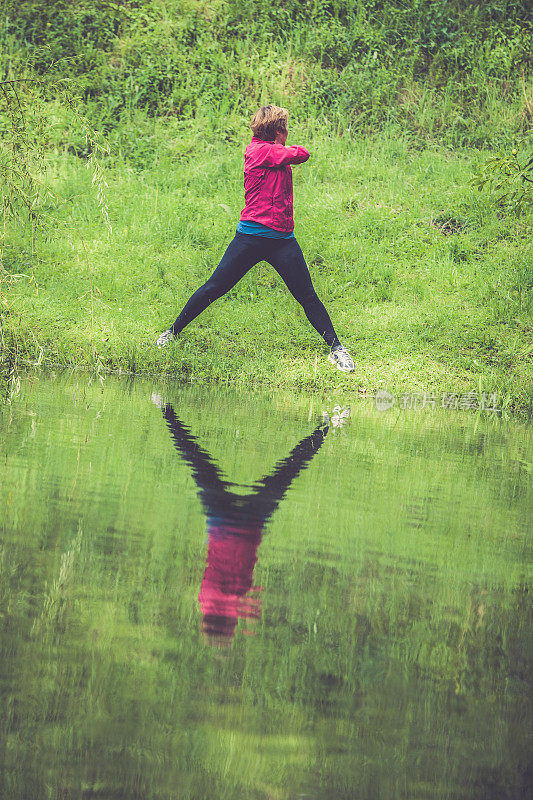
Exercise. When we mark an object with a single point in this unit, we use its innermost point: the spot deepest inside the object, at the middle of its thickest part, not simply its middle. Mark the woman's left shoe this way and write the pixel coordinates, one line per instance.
(341, 357)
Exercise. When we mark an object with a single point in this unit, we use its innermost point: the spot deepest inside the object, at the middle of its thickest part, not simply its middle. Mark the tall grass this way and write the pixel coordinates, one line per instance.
(426, 283)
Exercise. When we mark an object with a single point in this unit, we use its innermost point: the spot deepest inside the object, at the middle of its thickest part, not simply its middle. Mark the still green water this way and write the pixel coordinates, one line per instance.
(215, 597)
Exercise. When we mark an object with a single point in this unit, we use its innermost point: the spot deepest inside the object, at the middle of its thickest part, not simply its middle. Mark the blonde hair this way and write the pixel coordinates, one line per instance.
(268, 121)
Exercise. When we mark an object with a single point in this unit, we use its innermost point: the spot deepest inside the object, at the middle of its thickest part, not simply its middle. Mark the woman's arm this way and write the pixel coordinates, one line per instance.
(276, 155)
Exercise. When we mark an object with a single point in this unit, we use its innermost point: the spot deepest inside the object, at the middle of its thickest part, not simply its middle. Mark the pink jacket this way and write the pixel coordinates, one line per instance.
(228, 576)
(268, 183)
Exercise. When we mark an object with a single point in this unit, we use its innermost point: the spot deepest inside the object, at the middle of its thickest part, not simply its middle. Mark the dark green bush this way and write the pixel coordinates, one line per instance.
(437, 67)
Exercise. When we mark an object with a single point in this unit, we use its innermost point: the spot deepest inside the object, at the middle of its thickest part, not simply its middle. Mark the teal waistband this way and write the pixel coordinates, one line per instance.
(256, 229)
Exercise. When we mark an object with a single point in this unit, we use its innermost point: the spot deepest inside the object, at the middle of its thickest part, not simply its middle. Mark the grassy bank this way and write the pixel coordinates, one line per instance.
(426, 284)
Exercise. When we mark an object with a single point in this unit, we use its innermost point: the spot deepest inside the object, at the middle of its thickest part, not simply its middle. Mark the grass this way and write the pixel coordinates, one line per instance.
(425, 284)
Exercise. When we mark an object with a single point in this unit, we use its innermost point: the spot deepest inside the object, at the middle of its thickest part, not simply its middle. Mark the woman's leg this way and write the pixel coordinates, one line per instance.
(271, 489)
(287, 259)
(212, 488)
(242, 253)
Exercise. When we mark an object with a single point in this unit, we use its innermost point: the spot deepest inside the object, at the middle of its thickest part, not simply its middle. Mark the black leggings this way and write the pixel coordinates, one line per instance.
(215, 492)
(243, 252)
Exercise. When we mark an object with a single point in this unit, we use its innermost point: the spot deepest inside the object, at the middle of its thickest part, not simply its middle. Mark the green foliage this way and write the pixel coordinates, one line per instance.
(380, 91)
(440, 69)
(21, 147)
(27, 140)
(509, 178)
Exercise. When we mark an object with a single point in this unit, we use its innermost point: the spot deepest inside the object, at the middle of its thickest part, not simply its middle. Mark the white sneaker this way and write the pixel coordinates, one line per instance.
(338, 417)
(157, 400)
(341, 357)
(165, 338)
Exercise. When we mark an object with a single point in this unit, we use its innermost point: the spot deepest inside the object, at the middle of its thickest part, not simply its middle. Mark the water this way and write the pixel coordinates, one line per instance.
(215, 597)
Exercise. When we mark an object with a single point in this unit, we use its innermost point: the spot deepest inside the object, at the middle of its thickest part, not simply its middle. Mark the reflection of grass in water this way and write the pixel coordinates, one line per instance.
(391, 643)
(57, 600)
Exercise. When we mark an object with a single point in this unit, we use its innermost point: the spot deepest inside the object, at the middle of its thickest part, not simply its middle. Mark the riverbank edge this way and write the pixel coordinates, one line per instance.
(22, 356)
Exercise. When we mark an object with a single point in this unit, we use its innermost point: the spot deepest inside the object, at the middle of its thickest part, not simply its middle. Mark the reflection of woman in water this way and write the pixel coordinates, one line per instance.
(235, 526)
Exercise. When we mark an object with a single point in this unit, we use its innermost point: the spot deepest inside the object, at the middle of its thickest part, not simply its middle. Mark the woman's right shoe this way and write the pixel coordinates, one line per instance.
(341, 357)
(158, 401)
(165, 338)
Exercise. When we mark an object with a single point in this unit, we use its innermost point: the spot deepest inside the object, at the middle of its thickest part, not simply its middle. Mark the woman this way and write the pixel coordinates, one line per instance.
(235, 525)
(265, 233)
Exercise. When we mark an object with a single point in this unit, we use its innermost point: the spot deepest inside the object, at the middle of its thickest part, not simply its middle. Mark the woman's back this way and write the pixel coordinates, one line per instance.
(268, 183)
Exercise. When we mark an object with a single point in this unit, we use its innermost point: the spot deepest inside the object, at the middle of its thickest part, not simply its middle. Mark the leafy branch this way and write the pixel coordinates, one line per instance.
(23, 132)
(509, 177)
